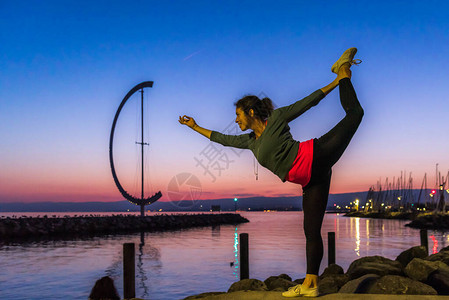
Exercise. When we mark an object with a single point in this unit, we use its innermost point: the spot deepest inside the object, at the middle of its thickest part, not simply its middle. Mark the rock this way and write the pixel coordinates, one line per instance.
(359, 285)
(203, 295)
(439, 280)
(398, 285)
(278, 283)
(332, 269)
(408, 255)
(374, 265)
(285, 276)
(248, 285)
(420, 269)
(332, 283)
(440, 256)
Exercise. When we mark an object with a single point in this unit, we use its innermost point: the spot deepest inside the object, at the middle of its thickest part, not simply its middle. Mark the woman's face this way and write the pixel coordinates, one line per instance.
(242, 119)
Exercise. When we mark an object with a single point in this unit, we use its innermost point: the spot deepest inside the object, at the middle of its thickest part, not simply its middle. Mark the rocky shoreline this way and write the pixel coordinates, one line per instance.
(413, 272)
(31, 227)
(434, 221)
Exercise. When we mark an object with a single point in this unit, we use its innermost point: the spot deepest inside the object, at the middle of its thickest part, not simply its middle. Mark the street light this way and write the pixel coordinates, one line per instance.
(235, 204)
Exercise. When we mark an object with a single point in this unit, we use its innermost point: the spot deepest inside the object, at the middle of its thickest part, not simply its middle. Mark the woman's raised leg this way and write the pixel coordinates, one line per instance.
(330, 147)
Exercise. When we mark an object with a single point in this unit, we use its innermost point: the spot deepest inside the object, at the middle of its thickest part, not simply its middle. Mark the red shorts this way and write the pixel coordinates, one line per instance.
(301, 169)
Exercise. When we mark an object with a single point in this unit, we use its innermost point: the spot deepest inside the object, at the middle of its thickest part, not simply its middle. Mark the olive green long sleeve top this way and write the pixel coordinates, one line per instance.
(275, 149)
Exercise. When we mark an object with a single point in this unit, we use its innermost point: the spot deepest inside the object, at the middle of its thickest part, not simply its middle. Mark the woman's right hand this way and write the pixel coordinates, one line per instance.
(186, 120)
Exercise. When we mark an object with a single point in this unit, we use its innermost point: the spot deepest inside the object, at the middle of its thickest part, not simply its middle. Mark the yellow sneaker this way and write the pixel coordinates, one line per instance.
(294, 291)
(309, 292)
(346, 57)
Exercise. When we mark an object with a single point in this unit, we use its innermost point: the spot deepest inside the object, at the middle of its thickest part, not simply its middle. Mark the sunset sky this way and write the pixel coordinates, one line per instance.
(65, 66)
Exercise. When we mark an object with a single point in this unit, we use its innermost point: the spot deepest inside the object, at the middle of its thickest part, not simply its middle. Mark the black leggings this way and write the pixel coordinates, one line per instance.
(327, 150)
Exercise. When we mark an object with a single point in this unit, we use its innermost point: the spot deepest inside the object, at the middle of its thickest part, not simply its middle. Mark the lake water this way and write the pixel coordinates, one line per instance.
(176, 264)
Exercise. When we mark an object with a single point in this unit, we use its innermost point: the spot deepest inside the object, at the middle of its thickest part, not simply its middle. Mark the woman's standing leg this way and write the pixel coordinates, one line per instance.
(314, 204)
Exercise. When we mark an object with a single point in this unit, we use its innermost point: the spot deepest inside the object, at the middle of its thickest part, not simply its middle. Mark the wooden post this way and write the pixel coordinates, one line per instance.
(244, 256)
(331, 247)
(424, 240)
(129, 274)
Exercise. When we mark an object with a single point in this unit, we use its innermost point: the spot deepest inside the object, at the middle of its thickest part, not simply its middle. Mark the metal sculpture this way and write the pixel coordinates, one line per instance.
(142, 201)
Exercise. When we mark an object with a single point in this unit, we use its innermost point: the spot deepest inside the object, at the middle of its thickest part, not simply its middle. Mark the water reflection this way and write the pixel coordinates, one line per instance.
(367, 232)
(435, 244)
(236, 254)
(357, 236)
(215, 231)
(142, 276)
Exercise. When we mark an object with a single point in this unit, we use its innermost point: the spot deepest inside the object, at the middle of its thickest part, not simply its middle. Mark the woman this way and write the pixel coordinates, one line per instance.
(307, 163)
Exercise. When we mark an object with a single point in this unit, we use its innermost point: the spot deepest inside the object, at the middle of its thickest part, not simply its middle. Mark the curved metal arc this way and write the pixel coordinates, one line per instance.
(151, 199)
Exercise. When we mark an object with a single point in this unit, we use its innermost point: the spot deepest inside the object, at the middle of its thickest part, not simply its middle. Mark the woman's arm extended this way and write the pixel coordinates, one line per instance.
(189, 121)
(237, 141)
(296, 109)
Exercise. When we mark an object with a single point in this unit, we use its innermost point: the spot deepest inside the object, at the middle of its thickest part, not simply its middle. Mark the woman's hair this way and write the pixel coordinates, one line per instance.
(262, 108)
(104, 289)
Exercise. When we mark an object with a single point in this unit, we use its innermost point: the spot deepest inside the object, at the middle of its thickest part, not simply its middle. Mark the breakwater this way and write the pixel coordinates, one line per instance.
(436, 221)
(29, 227)
(433, 220)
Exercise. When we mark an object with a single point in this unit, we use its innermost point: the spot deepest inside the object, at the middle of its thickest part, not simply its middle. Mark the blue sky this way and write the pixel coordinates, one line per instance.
(66, 65)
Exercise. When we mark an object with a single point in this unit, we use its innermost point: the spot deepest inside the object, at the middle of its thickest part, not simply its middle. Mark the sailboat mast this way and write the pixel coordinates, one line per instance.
(142, 206)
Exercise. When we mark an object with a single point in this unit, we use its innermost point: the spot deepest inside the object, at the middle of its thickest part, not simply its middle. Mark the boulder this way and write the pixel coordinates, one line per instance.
(439, 280)
(420, 269)
(408, 255)
(332, 283)
(332, 269)
(248, 285)
(374, 265)
(278, 283)
(359, 285)
(285, 276)
(440, 256)
(398, 285)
